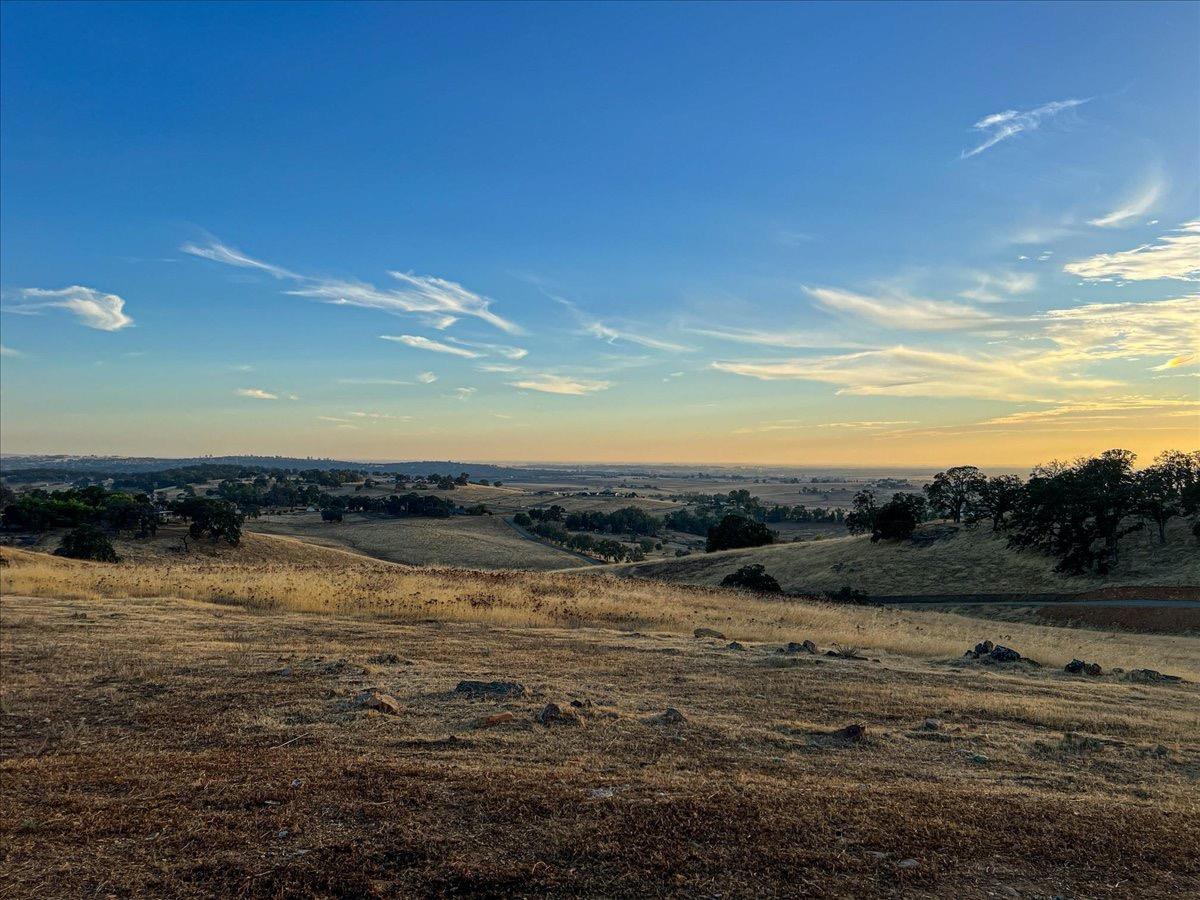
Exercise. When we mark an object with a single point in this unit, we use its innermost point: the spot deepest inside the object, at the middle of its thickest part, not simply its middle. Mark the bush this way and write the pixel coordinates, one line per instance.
(87, 542)
(895, 521)
(331, 514)
(847, 594)
(522, 519)
(736, 531)
(752, 578)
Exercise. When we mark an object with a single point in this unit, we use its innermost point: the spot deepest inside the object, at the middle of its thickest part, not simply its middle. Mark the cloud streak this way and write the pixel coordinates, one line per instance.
(423, 343)
(438, 302)
(560, 384)
(1133, 208)
(1174, 256)
(256, 394)
(95, 309)
(907, 313)
(1008, 124)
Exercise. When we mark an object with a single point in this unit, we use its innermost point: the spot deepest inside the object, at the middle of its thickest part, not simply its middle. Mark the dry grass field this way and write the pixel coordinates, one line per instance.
(478, 542)
(180, 747)
(965, 561)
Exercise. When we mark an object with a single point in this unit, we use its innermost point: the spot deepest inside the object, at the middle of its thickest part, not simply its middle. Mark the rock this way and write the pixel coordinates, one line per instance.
(986, 650)
(383, 659)
(669, 716)
(1145, 676)
(734, 645)
(1004, 654)
(876, 855)
(708, 633)
(553, 714)
(932, 725)
(1079, 667)
(855, 732)
(379, 701)
(499, 718)
(979, 758)
(491, 690)
(582, 704)
(600, 793)
(909, 863)
(805, 646)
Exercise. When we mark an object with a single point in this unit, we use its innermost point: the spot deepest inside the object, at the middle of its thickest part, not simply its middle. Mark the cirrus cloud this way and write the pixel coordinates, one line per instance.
(560, 384)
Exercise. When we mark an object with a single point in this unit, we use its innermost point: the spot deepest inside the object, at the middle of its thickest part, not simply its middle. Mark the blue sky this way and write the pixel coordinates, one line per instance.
(775, 233)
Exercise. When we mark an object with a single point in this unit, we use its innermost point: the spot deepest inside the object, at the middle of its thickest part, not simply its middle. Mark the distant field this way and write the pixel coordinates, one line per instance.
(477, 542)
(968, 561)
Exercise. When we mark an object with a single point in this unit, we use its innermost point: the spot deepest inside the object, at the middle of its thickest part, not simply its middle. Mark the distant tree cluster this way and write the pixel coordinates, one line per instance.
(1077, 512)
(735, 531)
(626, 520)
(209, 517)
(39, 510)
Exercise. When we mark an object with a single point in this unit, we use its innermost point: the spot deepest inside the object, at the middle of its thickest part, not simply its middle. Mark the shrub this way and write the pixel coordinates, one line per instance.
(752, 578)
(895, 521)
(331, 514)
(736, 531)
(87, 542)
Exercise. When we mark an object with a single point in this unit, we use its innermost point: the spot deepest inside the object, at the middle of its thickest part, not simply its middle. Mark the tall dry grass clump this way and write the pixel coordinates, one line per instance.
(345, 584)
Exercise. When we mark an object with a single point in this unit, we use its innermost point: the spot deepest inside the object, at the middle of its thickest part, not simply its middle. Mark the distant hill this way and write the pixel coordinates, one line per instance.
(943, 559)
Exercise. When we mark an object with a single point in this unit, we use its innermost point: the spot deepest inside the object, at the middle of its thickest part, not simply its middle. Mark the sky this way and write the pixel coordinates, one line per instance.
(857, 234)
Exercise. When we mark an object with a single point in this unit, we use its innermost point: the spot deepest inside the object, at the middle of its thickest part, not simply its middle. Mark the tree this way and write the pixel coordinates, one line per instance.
(1169, 488)
(752, 578)
(998, 496)
(522, 519)
(219, 519)
(87, 542)
(895, 521)
(862, 516)
(331, 514)
(953, 491)
(735, 531)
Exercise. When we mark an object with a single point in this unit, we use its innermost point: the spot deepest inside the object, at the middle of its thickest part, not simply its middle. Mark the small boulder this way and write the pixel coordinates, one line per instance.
(734, 645)
(553, 714)
(383, 659)
(490, 690)
(708, 633)
(1004, 654)
(1079, 667)
(909, 863)
(494, 719)
(854, 732)
(669, 716)
(805, 646)
(1147, 676)
(932, 725)
(378, 701)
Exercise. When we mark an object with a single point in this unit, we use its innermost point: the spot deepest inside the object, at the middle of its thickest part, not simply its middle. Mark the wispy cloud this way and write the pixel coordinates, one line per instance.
(912, 372)
(613, 333)
(95, 309)
(256, 394)
(996, 287)
(423, 343)
(464, 393)
(560, 384)
(1101, 409)
(798, 425)
(427, 378)
(1175, 255)
(10, 352)
(496, 349)
(1097, 331)
(498, 367)
(1133, 208)
(795, 340)
(437, 301)
(908, 313)
(395, 381)
(1004, 125)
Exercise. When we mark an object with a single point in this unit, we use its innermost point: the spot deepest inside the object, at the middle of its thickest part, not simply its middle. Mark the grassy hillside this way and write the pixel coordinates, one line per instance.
(281, 574)
(478, 542)
(943, 560)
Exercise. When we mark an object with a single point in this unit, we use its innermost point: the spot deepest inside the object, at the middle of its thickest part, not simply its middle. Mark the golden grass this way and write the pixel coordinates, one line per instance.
(971, 561)
(317, 580)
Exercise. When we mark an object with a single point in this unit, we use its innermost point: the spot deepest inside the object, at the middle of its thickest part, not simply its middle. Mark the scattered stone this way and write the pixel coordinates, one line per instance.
(734, 645)
(855, 732)
(499, 718)
(582, 704)
(1147, 676)
(805, 646)
(1079, 667)
(932, 725)
(979, 759)
(77, 615)
(383, 659)
(600, 793)
(986, 650)
(378, 701)
(553, 714)
(909, 863)
(669, 716)
(490, 690)
(708, 633)
(877, 855)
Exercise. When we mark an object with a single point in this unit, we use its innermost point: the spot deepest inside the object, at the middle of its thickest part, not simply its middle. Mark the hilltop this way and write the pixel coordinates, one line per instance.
(941, 559)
